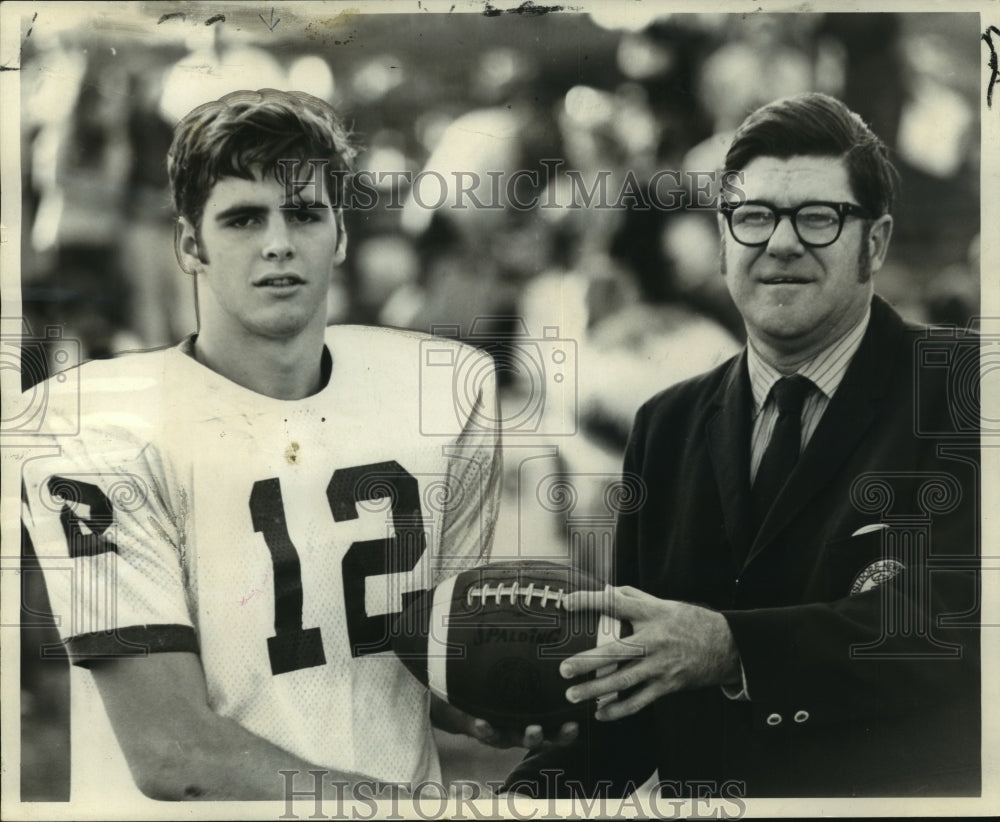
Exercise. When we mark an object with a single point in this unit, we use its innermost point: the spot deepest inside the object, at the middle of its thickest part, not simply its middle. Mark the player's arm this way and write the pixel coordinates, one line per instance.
(476, 478)
(475, 484)
(176, 746)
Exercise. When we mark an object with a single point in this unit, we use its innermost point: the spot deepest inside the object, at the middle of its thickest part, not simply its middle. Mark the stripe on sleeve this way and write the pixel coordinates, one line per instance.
(130, 641)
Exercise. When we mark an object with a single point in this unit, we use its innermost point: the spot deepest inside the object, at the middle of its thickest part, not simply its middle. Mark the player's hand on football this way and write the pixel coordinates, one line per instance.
(531, 737)
(673, 646)
(454, 720)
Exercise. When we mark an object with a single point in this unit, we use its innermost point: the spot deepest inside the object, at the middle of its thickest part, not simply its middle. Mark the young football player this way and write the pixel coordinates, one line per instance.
(238, 520)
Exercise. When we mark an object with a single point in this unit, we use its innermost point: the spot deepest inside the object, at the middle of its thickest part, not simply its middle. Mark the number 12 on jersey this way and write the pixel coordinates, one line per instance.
(293, 647)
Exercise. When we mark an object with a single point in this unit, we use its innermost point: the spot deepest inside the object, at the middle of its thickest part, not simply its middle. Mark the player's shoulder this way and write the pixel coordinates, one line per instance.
(123, 373)
(376, 354)
(390, 342)
(127, 365)
(103, 392)
(434, 383)
(101, 414)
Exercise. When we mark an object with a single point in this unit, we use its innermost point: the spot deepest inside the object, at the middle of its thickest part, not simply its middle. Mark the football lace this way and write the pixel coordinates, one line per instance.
(513, 591)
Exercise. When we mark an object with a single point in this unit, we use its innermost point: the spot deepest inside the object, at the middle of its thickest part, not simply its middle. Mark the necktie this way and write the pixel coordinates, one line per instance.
(783, 449)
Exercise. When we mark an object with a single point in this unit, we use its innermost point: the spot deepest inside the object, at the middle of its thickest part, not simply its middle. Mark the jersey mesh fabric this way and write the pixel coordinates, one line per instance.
(242, 522)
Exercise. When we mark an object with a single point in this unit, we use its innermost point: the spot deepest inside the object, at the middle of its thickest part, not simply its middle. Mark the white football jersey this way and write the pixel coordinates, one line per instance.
(277, 539)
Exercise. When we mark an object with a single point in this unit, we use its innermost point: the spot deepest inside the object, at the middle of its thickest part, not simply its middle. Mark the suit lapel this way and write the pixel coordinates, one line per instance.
(728, 436)
(844, 423)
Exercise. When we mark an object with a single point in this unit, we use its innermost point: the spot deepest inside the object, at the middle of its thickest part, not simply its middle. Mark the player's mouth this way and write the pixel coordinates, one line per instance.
(279, 281)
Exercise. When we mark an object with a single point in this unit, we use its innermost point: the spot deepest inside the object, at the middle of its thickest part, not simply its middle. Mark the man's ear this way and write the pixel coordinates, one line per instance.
(341, 252)
(878, 241)
(186, 246)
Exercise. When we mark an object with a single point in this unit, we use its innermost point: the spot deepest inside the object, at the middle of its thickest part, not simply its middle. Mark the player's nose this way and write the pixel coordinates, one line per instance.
(278, 243)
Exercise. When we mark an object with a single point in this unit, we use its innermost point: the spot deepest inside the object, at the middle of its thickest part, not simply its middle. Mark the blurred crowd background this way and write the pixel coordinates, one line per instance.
(588, 311)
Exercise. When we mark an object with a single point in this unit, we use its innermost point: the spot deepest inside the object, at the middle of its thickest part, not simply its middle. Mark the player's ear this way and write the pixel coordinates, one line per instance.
(340, 254)
(878, 241)
(186, 246)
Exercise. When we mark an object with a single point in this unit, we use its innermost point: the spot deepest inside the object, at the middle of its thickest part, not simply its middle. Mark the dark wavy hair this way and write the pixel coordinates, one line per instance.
(819, 125)
(231, 135)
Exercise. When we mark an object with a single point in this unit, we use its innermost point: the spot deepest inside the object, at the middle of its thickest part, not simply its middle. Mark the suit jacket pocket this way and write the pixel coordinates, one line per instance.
(852, 565)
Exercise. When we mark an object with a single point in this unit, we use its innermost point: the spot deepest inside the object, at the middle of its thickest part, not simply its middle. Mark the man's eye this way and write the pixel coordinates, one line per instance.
(817, 219)
(757, 216)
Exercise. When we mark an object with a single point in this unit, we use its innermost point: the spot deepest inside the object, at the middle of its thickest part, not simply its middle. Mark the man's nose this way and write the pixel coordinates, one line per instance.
(277, 241)
(785, 241)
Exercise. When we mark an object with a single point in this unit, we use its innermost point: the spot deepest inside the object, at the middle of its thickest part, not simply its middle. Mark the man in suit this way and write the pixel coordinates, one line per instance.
(800, 568)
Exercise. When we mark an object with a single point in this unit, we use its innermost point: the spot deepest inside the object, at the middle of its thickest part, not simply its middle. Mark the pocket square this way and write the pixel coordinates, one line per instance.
(867, 529)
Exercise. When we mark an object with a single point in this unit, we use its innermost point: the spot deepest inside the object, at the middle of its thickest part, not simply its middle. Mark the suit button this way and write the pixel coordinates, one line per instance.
(801, 716)
(774, 719)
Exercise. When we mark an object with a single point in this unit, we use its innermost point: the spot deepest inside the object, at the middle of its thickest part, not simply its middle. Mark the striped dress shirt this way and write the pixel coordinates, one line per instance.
(825, 370)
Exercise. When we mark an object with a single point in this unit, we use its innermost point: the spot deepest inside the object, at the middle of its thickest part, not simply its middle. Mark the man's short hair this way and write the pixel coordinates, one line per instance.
(816, 124)
(231, 135)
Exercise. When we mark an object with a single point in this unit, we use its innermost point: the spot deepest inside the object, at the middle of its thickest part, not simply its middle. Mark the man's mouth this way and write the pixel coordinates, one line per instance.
(785, 280)
(279, 281)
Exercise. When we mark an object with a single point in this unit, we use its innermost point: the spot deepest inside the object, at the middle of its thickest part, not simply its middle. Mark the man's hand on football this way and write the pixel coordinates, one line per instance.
(454, 720)
(673, 646)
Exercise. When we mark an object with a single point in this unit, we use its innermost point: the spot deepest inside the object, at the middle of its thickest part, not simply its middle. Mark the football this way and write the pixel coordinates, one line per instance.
(490, 639)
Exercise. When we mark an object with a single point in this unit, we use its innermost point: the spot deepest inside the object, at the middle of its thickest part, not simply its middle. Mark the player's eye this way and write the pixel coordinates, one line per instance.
(243, 221)
(305, 215)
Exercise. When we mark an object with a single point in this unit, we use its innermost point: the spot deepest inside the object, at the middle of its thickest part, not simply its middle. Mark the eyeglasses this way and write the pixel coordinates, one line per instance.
(817, 224)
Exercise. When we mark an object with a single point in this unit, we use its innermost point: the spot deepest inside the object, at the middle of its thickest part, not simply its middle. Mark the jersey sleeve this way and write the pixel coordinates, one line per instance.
(105, 519)
(475, 471)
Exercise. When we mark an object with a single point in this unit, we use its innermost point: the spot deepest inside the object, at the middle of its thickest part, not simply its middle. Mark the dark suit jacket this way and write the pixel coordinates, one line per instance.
(857, 688)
